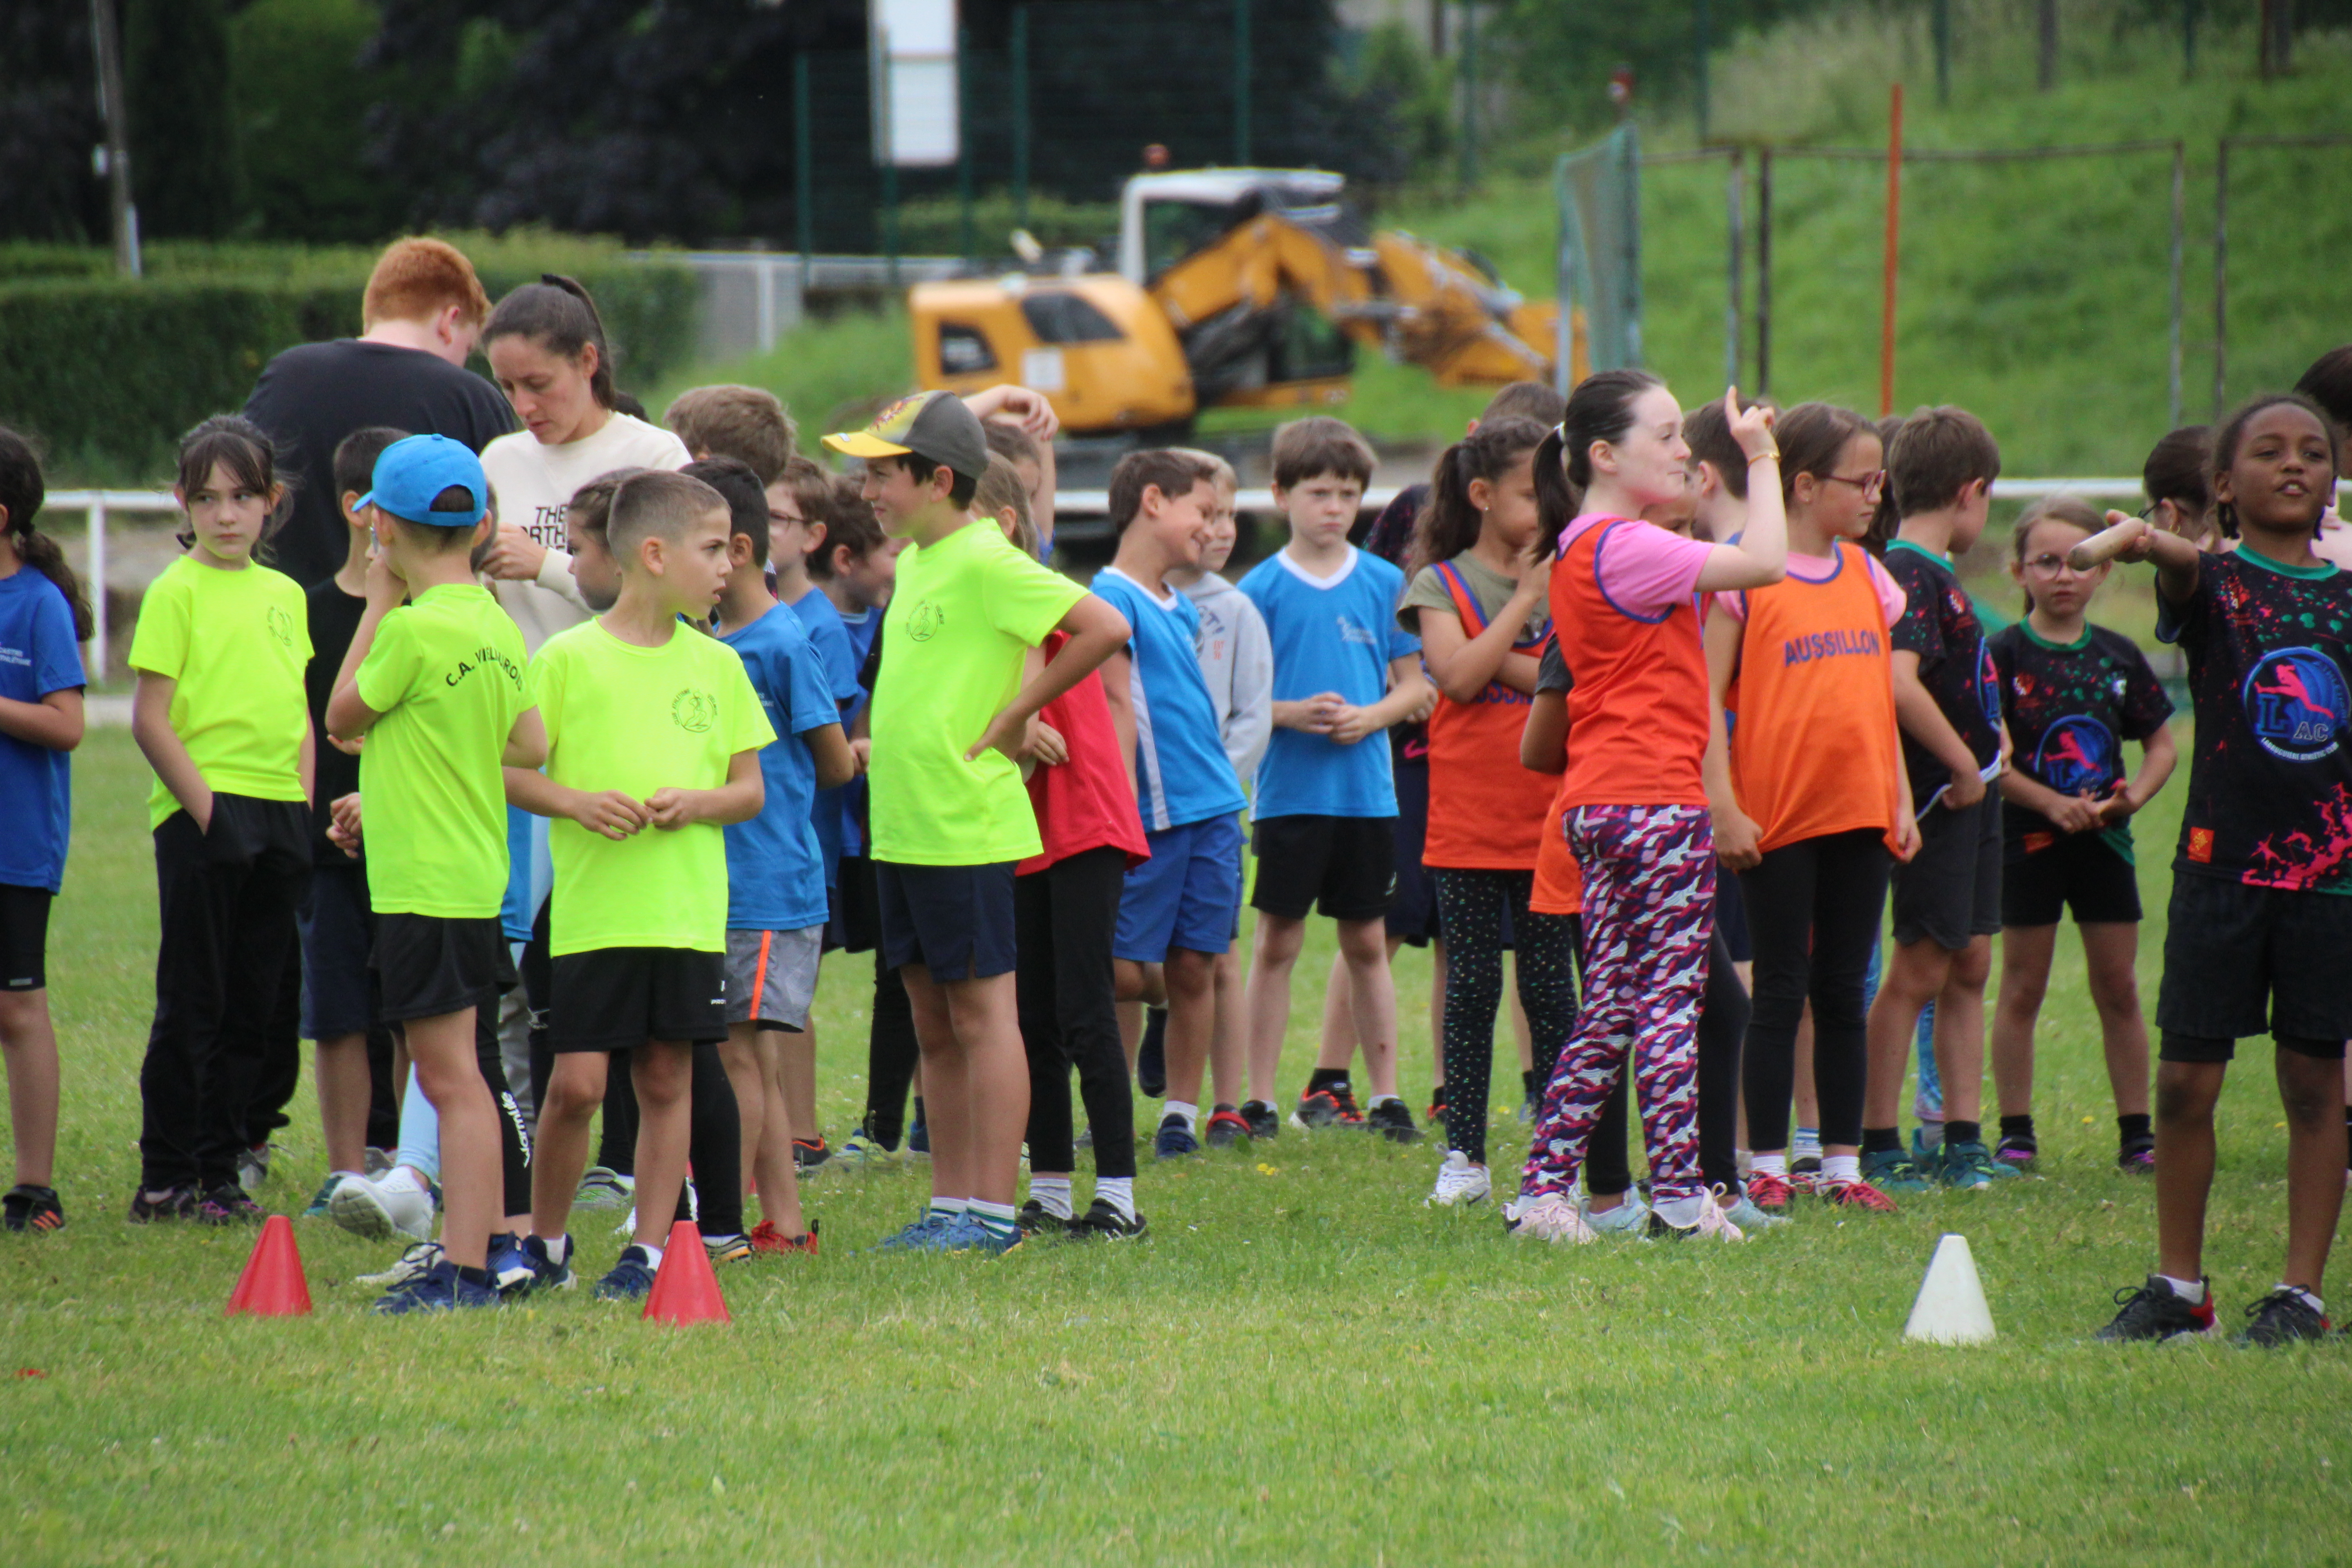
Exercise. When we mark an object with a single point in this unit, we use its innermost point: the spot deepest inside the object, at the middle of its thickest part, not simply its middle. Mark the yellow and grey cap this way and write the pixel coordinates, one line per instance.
(931, 425)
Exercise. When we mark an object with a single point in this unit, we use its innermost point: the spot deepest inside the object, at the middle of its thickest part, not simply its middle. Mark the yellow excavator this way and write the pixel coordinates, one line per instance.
(1233, 287)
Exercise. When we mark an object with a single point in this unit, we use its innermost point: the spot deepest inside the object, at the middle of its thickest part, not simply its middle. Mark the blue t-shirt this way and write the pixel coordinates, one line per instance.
(1332, 633)
(861, 628)
(37, 656)
(831, 639)
(775, 867)
(1181, 773)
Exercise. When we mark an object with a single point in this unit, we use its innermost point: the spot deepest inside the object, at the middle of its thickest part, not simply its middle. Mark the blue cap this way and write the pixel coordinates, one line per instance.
(413, 470)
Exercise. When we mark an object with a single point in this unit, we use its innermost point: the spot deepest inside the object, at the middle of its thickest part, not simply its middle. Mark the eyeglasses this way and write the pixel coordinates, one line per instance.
(2048, 566)
(1868, 484)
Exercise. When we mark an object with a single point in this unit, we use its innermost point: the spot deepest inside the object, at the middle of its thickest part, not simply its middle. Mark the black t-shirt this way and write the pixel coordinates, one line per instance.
(2270, 680)
(312, 395)
(2070, 709)
(334, 620)
(1940, 626)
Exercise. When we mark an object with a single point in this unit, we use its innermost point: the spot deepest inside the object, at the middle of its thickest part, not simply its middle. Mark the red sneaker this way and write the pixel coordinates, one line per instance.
(766, 1237)
(1856, 1195)
(1768, 1191)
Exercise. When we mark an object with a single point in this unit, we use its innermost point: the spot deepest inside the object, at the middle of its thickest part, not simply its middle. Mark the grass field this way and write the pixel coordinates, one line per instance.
(1302, 1363)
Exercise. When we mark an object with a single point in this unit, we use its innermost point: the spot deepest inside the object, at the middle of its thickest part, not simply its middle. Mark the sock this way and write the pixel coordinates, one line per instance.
(1528, 1082)
(1051, 1193)
(1842, 1167)
(1769, 1166)
(1190, 1113)
(2016, 1127)
(1384, 1099)
(1118, 1191)
(2307, 1298)
(1328, 1078)
(918, 1113)
(2189, 1290)
(994, 1218)
(559, 1248)
(1806, 1145)
(1963, 1132)
(1876, 1141)
(945, 1209)
(653, 1254)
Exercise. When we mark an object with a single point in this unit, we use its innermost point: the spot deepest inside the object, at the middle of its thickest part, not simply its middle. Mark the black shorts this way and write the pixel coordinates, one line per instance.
(616, 998)
(338, 994)
(23, 937)
(1950, 891)
(854, 909)
(425, 965)
(2240, 961)
(2049, 870)
(954, 920)
(1731, 919)
(1343, 866)
(1412, 915)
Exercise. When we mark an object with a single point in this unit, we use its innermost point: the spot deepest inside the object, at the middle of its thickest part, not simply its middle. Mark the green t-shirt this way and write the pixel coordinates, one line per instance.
(446, 673)
(964, 613)
(1487, 586)
(641, 719)
(237, 642)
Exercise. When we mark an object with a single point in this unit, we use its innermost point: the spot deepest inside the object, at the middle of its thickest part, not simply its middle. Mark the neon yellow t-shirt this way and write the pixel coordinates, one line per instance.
(964, 612)
(446, 673)
(237, 643)
(639, 719)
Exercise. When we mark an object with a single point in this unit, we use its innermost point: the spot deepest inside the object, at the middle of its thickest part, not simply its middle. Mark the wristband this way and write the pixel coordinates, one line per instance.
(1773, 453)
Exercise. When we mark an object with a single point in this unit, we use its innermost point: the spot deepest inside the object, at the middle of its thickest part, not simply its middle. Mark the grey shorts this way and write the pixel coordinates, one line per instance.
(771, 976)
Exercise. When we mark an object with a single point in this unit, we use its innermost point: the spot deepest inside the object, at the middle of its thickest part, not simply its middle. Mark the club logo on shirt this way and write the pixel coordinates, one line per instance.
(280, 625)
(2200, 845)
(694, 712)
(925, 623)
(2297, 704)
(1987, 686)
(2078, 754)
(1350, 632)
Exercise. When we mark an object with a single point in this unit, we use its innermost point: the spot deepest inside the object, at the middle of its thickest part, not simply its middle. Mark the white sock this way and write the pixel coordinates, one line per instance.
(2310, 1301)
(997, 1217)
(559, 1248)
(1116, 1191)
(2189, 1290)
(1051, 1193)
(1769, 1166)
(1190, 1114)
(653, 1256)
(948, 1208)
(1840, 1167)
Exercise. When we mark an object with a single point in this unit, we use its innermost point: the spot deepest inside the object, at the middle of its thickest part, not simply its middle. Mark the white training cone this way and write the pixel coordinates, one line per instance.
(1951, 1308)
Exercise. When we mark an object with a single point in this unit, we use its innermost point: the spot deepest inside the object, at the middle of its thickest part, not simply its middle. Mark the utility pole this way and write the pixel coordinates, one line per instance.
(113, 158)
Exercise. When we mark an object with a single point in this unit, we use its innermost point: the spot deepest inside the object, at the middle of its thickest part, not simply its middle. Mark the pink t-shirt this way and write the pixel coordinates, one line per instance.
(1821, 569)
(1643, 571)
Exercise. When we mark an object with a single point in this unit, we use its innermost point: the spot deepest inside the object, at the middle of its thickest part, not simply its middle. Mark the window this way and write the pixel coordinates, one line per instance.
(1058, 317)
(965, 350)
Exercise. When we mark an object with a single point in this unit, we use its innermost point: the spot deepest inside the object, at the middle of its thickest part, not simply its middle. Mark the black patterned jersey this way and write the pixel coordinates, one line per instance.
(1940, 626)
(2070, 708)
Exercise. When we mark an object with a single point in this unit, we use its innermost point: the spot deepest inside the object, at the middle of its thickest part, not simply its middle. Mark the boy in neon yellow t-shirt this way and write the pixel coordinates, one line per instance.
(438, 689)
(950, 817)
(650, 725)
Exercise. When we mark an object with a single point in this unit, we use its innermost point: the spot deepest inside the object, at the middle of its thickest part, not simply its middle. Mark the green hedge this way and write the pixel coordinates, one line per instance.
(109, 371)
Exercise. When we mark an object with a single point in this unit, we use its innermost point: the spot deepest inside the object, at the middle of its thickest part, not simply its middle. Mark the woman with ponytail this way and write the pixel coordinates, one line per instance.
(1624, 609)
(44, 618)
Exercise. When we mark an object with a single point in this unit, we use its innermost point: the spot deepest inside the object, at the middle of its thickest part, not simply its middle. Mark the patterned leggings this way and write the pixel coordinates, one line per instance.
(1649, 921)
(1471, 905)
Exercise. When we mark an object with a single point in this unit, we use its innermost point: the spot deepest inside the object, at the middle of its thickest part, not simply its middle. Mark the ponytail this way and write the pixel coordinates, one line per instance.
(558, 314)
(1557, 500)
(22, 490)
(1449, 523)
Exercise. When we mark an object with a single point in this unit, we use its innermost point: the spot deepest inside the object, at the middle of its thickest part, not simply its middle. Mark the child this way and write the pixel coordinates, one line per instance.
(2180, 494)
(951, 819)
(44, 618)
(1813, 801)
(746, 422)
(220, 715)
(1344, 672)
(1633, 801)
(1481, 568)
(437, 689)
(775, 872)
(2071, 694)
(652, 724)
(337, 926)
(2260, 922)
(1237, 661)
(2328, 383)
(1182, 906)
(1946, 897)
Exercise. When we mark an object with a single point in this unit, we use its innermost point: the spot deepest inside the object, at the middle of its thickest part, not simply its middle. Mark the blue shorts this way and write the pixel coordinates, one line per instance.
(954, 920)
(1188, 895)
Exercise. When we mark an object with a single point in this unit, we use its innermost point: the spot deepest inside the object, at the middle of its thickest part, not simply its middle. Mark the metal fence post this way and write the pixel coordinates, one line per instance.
(1939, 27)
(1731, 187)
(1468, 54)
(963, 141)
(804, 165)
(1763, 270)
(97, 588)
(1699, 44)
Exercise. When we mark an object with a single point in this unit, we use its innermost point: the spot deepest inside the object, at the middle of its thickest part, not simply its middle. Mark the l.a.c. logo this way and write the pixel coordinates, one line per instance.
(2078, 754)
(2297, 704)
(925, 623)
(694, 712)
(281, 625)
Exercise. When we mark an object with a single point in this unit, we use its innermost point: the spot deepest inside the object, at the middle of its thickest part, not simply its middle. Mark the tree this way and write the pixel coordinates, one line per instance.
(177, 84)
(48, 123)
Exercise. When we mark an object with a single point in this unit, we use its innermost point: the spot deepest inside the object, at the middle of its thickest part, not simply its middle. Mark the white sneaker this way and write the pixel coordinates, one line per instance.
(413, 1264)
(1630, 1217)
(1458, 1182)
(1749, 1217)
(1553, 1216)
(379, 1210)
(1715, 1224)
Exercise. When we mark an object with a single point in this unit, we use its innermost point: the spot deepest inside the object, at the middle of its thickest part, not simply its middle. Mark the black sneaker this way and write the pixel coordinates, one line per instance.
(173, 1203)
(1227, 1128)
(1103, 1222)
(29, 1207)
(1392, 1121)
(2281, 1318)
(1151, 1054)
(808, 1154)
(1265, 1122)
(1333, 1105)
(2137, 1156)
(2017, 1150)
(1035, 1220)
(2156, 1311)
(227, 1205)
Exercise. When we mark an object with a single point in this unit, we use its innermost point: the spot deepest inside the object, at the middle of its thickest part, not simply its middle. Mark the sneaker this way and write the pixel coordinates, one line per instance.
(379, 1161)
(394, 1206)
(809, 1154)
(1805, 1172)
(1151, 1054)
(1769, 1194)
(253, 1166)
(919, 1236)
(766, 1237)
(1965, 1165)
(919, 1140)
(1890, 1170)
(512, 1272)
(1103, 1222)
(1459, 1183)
(1392, 1122)
(1750, 1219)
(1715, 1224)
(2156, 1311)
(440, 1289)
(727, 1249)
(2138, 1157)
(965, 1234)
(604, 1188)
(1174, 1140)
(227, 1205)
(630, 1279)
(317, 1207)
(1085, 1140)
(1861, 1195)
(1334, 1105)
(2016, 1152)
(1265, 1122)
(1926, 1152)
(1627, 1218)
(2280, 1318)
(547, 1273)
(1530, 1108)
(1552, 1217)
(1036, 1219)
(858, 1152)
(29, 1207)
(1437, 1107)
(410, 1266)
(1227, 1129)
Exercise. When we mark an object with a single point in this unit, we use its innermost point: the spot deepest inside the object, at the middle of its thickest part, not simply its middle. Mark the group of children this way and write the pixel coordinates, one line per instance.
(600, 739)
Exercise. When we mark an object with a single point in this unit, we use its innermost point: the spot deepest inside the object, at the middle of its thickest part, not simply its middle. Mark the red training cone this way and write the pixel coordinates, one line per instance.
(685, 1290)
(272, 1285)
